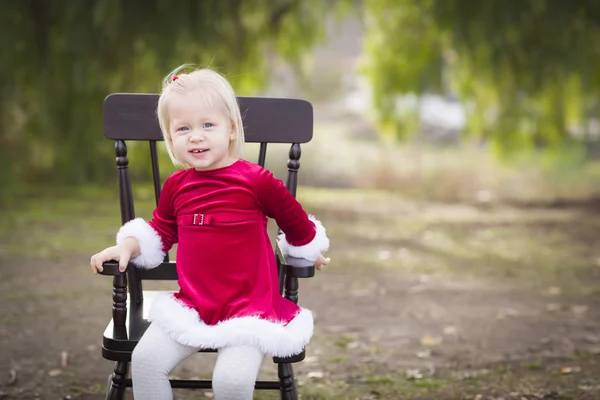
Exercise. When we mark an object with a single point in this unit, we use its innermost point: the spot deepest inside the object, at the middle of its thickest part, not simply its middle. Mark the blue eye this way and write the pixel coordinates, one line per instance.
(183, 128)
(208, 125)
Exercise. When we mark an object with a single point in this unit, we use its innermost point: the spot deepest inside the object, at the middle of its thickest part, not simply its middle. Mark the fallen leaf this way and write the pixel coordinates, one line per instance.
(569, 370)
(64, 358)
(54, 372)
(424, 353)
(478, 397)
(429, 340)
(315, 375)
(449, 330)
(413, 374)
(361, 293)
(483, 196)
(554, 290)
(511, 312)
(385, 255)
(12, 377)
(352, 345)
(209, 395)
(507, 312)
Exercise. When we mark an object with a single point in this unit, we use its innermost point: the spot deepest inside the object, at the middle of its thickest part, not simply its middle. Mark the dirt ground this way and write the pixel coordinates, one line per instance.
(422, 301)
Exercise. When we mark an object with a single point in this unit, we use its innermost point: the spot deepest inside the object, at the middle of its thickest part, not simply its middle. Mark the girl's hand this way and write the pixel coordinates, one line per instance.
(121, 253)
(321, 262)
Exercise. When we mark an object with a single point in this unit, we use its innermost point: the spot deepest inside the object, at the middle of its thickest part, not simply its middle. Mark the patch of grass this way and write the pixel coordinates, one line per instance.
(501, 369)
(532, 365)
(96, 389)
(55, 223)
(8, 320)
(429, 383)
(324, 391)
(20, 296)
(583, 355)
(378, 380)
(343, 341)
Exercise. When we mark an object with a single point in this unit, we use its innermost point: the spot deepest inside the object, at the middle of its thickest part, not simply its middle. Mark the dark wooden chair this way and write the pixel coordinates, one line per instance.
(133, 117)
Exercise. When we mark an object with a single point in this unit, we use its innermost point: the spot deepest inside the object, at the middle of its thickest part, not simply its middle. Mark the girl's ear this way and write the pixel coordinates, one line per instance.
(232, 133)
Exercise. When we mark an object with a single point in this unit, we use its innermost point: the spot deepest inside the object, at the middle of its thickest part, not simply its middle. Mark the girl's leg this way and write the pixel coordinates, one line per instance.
(235, 372)
(151, 362)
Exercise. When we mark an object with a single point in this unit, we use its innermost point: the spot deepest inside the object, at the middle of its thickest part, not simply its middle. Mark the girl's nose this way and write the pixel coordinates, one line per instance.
(196, 137)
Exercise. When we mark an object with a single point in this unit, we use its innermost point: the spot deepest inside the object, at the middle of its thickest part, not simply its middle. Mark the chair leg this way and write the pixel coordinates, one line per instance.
(116, 382)
(287, 383)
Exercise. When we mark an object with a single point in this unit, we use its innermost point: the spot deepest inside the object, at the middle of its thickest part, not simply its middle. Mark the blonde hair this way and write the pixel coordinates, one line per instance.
(213, 85)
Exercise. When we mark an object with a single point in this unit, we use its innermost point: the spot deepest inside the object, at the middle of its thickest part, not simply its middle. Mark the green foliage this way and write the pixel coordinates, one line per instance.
(61, 58)
(529, 68)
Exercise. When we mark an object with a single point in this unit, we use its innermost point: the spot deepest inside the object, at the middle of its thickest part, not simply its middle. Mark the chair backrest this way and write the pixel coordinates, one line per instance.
(133, 117)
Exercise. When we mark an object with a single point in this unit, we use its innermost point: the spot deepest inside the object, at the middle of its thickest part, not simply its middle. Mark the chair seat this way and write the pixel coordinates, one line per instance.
(118, 342)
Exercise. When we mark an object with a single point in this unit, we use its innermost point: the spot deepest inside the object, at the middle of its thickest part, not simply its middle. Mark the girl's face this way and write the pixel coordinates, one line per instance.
(201, 132)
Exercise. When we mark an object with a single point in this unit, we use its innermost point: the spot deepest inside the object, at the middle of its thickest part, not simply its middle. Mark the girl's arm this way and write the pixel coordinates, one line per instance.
(303, 235)
(156, 237)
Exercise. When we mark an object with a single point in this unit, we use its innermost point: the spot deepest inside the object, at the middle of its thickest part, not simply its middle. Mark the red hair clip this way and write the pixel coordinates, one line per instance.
(175, 77)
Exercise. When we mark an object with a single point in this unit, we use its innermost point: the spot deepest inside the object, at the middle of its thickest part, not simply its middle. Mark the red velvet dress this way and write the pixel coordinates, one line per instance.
(229, 290)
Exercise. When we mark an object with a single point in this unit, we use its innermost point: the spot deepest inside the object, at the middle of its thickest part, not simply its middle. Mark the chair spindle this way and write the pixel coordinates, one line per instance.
(291, 282)
(155, 170)
(262, 154)
(293, 167)
(156, 177)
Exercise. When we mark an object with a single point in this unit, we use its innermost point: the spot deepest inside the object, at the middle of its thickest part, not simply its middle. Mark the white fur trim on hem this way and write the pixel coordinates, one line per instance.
(309, 251)
(184, 325)
(151, 254)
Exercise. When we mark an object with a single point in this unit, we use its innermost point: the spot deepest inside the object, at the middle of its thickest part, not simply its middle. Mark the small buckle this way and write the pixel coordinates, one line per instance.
(201, 222)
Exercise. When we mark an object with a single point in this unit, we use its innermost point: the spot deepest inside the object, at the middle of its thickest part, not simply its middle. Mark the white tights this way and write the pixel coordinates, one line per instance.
(157, 354)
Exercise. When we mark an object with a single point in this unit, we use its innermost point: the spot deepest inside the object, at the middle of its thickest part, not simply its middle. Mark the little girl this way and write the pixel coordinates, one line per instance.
(216, 211)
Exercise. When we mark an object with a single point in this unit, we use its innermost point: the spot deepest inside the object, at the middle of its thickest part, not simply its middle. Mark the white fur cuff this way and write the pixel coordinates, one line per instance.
(309, 251)
(151, 254)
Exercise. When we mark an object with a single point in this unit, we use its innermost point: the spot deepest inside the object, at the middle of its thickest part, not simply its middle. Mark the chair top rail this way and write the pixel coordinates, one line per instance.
(266, 120)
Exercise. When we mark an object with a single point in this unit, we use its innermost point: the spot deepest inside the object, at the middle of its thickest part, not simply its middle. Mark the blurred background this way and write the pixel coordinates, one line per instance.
(455, 163)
